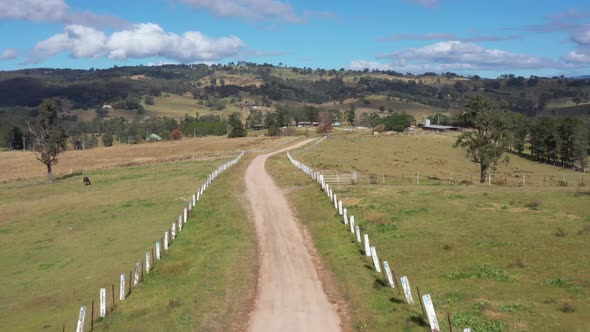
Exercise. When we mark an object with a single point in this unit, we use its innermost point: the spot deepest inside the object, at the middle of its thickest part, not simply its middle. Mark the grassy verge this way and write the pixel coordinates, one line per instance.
(63, 241)
(497, 258)
(372, 306)
(206, 281)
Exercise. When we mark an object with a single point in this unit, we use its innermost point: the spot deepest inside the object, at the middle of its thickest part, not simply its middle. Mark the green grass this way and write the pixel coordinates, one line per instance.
(400, 158)
(487, 255)
(207, 279)
(61, 242)
(177, 106)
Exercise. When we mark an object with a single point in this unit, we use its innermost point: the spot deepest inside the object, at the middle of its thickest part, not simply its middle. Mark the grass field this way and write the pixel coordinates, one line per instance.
(496, 258)
(418, 111)
(207, 280)
(431, 155)
(124, 154)
(62, 241)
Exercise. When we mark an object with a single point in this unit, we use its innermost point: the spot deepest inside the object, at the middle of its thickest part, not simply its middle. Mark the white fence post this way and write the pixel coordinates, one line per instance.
(136, 274)
(148, 262)
(158, 250)
(367, 246)
(407, 289)
(375, 259)
(122, 287)
(166, 240)
(430, 312)
(340, 208)
(81, 319)
(388, 274)
(345, 213)
(103, 303)
(352, 224)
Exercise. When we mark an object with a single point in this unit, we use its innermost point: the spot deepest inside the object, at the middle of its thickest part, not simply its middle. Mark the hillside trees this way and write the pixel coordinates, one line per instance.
(397, 122)
(351, 114)
(236, 128)
(49, 138)
(561, 141)
(488, 140)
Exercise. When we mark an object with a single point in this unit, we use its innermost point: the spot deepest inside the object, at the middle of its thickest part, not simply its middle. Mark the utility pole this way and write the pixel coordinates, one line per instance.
(24, 144)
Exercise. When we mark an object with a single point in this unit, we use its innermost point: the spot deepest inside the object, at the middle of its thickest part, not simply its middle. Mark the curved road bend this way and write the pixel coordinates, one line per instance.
(289, 295)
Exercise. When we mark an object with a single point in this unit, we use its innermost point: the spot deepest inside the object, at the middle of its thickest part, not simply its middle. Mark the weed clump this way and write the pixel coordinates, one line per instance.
(448, 247)
(534, 205)
(559, 282)
(477, 323)
(567, 306)
(560, 232)
(482, 271)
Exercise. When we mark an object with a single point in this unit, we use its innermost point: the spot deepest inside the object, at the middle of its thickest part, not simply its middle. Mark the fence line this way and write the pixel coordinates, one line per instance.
(150, 259)
(426, 304)
(508, 179)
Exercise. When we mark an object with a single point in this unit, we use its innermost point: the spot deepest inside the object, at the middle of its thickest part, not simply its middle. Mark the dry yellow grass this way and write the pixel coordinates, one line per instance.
(23, 165)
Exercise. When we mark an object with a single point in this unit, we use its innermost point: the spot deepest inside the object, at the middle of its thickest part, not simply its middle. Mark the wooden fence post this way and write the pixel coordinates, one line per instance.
(421, 303)
(450, 325)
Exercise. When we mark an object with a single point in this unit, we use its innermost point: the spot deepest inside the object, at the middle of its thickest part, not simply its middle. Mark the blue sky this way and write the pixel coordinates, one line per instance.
(487, 38)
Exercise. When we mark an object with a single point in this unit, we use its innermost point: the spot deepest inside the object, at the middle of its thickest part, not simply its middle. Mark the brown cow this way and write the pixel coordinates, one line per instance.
(87, 181)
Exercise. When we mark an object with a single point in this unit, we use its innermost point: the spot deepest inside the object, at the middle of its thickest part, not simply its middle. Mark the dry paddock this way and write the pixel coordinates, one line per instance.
(16, 165)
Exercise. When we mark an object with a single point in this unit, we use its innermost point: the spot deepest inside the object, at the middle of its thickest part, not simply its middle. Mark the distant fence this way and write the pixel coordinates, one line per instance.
(147, 161)
(512, 179)
(126, 282)
(370, 251)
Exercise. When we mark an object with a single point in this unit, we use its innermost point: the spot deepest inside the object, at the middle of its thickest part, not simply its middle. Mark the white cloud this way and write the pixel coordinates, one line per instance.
(445, 36)
(578, 57)
(33, 10)
(54, 11)
(363, 64)
(140, 41)
(582, 35)
(9, 54)
(251, 9)
(458, 55)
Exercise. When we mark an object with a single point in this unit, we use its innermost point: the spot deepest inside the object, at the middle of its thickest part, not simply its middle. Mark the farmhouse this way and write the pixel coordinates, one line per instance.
(428, 126)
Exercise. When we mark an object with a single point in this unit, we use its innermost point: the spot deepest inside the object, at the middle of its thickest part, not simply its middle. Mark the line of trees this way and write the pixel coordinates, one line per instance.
(493, 130)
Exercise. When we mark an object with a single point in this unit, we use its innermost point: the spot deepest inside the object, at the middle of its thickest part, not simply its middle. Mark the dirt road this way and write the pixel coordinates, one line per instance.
(290, 295)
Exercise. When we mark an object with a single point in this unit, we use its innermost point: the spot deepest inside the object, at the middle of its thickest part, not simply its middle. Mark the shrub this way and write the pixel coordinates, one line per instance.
(176, 134)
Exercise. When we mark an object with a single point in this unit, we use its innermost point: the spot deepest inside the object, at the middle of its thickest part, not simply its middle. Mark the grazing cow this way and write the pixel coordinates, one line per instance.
(87, 181)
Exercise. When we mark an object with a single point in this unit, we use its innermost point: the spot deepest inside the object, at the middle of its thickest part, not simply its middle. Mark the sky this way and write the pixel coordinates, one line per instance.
(469, 37)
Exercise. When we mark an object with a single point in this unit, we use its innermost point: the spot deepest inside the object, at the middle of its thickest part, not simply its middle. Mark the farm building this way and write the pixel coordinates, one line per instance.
(153, 137)
(431, 127)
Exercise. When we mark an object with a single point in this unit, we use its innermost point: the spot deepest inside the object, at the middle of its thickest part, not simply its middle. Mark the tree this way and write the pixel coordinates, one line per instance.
(49, 139)
(398, 122)
(485, 144)
(149, 100)
(15, 139)
(176, 134)
(351, 115)
(107, 139)
(236, 126)
(325, 120)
